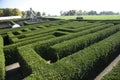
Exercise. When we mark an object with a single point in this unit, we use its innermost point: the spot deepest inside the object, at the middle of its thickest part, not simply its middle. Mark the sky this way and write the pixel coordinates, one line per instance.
(54, 7)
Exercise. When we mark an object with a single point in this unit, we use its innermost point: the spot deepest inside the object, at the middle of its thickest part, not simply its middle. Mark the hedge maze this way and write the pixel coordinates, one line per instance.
(60, 49)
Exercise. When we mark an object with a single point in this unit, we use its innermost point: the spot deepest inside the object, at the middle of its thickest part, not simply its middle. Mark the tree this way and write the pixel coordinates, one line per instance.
(84, 13)
(79, 12)
(38, 14)
(43, 14)
(27, 13)
(16, 12)
(1, 12)
(8, 12)
(61, 13)
(92, 12)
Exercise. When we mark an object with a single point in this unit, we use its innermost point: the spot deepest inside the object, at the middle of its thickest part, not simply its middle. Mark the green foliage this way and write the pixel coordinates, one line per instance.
(70, 46)
(91, 17)
(79, 66)
(1, 12)
(2, 60)
(81, 49)
(83, 64)
(42, 47)
(10, 12)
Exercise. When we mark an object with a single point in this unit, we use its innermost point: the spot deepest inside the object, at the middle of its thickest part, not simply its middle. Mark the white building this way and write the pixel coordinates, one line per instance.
(10, 17)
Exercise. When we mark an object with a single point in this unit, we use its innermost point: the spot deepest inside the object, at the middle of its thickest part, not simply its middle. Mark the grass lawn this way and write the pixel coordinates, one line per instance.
(95, 17)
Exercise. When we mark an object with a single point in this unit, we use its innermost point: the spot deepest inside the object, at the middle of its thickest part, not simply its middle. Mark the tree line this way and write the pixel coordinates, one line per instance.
(26, 14)
(17, 12)
(92, 12)
(10, 12)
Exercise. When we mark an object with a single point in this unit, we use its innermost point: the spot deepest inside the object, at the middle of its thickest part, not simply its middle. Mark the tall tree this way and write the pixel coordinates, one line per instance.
(38, 14)
(17, 12)
(92, 12)
(43, 14)
(79, 12)
(1, 12)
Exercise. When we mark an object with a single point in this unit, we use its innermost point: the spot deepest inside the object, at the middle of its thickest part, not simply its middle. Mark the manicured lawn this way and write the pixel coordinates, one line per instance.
(95, 17)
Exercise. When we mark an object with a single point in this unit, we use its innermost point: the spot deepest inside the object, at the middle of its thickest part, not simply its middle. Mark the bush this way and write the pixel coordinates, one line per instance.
(79, 18)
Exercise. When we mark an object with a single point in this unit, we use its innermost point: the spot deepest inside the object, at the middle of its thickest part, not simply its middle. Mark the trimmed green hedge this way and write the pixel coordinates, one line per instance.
(83, 65)
(70, 46)
(2, 60)
(36, 35)
(82, 27)
(42, 47)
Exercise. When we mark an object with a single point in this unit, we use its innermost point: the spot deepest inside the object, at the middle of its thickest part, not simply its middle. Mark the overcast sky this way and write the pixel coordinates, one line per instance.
(55, 6)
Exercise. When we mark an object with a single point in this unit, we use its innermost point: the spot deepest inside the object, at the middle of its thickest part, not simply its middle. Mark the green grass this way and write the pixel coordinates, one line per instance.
(90, 17)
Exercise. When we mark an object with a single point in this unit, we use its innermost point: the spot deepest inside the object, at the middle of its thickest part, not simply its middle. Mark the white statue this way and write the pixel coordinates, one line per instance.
(32, 14)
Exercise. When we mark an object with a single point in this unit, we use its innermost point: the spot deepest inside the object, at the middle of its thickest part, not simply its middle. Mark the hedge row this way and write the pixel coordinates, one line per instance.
(2, 60)
(11, 37)
(49, 23)
(83, 65)
(84, 27)
(35, 34)
(23, 37)
(34, 37)
(76, 24)
(28, 26)
(70, 46)
(48, 29)
(15, 45)
(42, 47)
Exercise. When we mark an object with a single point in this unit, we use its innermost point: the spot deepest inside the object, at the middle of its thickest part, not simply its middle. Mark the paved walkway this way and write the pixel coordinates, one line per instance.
(13, 72)
(108, 68)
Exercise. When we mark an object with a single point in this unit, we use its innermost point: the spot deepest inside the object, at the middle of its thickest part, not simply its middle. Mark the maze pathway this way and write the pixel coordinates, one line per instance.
(13, 72)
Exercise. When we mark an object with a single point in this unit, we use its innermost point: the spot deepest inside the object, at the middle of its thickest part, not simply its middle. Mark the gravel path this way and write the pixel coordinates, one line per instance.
(108, 68)
(13, 72)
